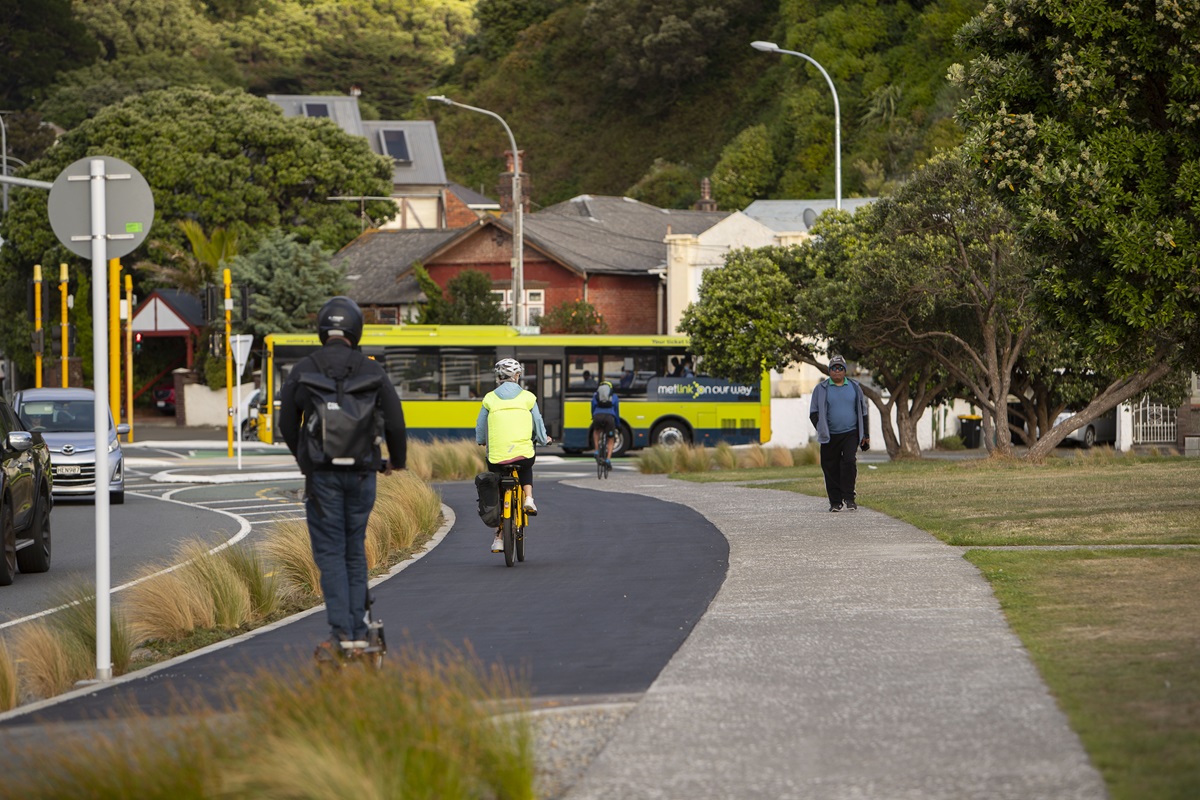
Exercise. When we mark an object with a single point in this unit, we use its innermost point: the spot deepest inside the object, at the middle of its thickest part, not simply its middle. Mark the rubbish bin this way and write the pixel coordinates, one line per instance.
(970, 428)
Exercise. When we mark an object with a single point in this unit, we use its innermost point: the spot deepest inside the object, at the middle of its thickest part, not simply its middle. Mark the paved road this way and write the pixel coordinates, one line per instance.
(610, 589)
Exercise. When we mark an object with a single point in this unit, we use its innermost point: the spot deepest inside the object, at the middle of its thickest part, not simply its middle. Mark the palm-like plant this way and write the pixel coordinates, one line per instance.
(191, 271)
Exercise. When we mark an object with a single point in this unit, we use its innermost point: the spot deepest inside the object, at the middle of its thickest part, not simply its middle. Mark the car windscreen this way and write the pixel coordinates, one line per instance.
(59, 416)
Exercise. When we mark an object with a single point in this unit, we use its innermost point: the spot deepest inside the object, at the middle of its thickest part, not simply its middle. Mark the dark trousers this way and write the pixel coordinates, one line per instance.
(338, 505)
(839, 466)
(524, 469)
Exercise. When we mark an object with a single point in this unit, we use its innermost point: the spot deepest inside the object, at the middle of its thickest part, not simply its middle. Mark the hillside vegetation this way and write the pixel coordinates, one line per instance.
(638, 97)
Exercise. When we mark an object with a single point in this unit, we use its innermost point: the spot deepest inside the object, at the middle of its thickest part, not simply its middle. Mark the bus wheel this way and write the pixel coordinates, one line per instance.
(670, 434)
(623, 440)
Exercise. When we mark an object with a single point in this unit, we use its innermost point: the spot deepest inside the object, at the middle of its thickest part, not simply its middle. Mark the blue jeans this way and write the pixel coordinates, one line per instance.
(338, 505)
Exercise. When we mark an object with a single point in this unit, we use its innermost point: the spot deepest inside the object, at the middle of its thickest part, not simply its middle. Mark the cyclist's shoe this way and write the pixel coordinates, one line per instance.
(530, 508)
(498, 545)
(835, 507)
(851, 505)
(608, 463)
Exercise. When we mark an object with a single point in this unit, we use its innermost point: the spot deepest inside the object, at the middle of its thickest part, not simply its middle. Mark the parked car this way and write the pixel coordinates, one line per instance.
(26, 498)
(66, 420)
(164, 399)
(1102, 430)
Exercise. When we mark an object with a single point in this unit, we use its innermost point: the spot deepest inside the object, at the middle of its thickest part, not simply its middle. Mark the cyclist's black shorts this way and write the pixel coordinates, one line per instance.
(524, 470)
(605, 423)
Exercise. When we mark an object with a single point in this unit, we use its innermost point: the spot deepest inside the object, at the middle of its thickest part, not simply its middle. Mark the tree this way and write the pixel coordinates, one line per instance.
(575, 316)
(289, 281)
(667, 185)
(1082, 116)
(224, 160)
(195, 268)
(745, 170)
(942, 274)
(39, 39)
(467, 300)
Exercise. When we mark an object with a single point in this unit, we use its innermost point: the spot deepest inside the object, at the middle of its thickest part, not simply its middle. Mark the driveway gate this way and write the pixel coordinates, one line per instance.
(1153, 422)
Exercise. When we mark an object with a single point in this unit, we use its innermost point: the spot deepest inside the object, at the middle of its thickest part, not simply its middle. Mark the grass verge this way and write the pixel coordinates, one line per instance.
(418, 728)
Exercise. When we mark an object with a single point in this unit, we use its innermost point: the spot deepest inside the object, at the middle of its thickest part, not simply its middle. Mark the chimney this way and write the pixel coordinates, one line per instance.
(505, 186)
(706, 202)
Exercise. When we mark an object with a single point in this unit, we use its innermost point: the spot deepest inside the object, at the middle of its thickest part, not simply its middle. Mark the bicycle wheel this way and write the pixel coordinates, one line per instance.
(508, 534)
(599, 465)
(520, 543)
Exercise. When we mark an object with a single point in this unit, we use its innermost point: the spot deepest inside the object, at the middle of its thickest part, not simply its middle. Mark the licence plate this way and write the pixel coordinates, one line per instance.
(162, 403)
(67, 469)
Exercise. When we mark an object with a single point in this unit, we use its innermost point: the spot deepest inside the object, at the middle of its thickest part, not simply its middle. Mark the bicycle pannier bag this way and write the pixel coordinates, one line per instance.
(487, 485)
(343, 424)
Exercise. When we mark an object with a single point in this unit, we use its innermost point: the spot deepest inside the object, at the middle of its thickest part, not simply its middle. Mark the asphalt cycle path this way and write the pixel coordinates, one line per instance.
(611, 587)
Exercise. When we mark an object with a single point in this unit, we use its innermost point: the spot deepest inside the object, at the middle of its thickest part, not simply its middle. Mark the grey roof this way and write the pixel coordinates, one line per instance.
(378, 263)
(425, 167)
(472, 198)
(790, 216)
(188, 306)
(342, 109)
(612, 234)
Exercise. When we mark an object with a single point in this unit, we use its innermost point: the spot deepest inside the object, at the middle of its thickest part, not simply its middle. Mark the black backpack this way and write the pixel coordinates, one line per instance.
(343, 425)
(487, 485)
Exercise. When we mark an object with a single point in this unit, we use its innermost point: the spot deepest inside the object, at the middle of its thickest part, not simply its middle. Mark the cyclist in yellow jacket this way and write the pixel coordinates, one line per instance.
(509, 423)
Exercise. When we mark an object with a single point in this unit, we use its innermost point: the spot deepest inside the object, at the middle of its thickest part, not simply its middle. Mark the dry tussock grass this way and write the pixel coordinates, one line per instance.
(779, 457)
(753, 457)
(8, 678)
(48, 663)
(230, 595)
(288, 548)
(167, 607)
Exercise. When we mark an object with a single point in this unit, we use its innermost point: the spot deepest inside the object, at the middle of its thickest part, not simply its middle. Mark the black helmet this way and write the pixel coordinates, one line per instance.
(343, 315)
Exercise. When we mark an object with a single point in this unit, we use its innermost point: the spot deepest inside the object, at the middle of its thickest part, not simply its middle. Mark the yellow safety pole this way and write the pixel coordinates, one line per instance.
(114, 337)
(129, 353)
(229, 360)
(37, 324)
(62, 286)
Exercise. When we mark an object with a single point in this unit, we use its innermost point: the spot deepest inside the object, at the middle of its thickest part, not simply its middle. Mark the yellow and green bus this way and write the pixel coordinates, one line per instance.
(442, 373)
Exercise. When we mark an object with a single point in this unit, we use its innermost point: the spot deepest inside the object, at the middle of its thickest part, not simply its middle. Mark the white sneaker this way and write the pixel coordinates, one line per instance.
(530, 508)
(498, 545)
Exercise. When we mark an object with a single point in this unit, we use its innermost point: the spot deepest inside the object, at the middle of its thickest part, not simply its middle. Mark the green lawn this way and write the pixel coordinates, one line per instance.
(1114, 631)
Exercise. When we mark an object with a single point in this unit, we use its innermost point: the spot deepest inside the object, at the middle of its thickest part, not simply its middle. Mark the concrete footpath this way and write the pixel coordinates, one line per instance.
(845, 656)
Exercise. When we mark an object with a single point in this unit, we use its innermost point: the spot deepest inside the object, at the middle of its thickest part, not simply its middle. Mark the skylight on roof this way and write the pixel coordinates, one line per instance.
(316, 110)
(395, 144)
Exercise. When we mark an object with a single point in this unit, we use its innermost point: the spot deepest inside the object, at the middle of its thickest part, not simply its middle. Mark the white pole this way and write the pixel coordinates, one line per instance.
(237, 418)
(100, 410)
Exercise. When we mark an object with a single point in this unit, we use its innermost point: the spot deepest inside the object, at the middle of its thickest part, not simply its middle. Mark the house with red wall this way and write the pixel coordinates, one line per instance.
(609, 251)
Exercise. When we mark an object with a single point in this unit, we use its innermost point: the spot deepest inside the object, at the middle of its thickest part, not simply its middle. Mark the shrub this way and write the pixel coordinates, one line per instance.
(656, 461)
(951, 443)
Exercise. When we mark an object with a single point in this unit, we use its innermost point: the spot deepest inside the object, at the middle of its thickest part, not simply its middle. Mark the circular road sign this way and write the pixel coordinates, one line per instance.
(128, 207)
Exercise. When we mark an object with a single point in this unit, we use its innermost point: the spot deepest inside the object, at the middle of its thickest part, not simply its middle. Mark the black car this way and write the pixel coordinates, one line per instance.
(25, 498)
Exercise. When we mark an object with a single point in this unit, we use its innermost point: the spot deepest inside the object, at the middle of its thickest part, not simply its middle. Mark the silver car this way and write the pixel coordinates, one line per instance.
(66, 420)
(1102, 430)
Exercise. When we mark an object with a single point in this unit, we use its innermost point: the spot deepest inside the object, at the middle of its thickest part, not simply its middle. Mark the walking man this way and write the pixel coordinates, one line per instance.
(335, 408)
(839, 413)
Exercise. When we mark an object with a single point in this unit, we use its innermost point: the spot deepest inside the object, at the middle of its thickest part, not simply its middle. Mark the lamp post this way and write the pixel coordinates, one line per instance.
(519, 315)
(771, 47)
(4, 156)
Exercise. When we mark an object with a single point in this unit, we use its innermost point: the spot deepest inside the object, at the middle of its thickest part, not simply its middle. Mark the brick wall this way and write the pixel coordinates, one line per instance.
(626, 302)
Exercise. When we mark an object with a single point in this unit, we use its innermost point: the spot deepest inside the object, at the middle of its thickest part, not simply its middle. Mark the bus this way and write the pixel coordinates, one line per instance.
(442, 372)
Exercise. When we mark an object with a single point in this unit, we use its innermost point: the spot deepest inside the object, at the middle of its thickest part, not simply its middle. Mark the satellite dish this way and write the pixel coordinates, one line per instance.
(810, 217)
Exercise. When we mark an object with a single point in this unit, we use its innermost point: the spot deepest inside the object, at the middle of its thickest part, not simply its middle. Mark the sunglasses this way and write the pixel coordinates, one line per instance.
(837, 369)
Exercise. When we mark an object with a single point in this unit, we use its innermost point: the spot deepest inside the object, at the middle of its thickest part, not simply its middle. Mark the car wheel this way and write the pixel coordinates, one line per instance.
(1089, 437)
(36, 557)
(116, 498)
(8, 540)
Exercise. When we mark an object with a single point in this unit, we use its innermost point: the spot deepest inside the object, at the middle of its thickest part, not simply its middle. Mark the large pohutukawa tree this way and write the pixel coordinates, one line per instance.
(1084, 116)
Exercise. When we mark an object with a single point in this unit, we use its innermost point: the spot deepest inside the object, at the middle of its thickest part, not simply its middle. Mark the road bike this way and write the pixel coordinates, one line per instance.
(603, 465)
(514, 519)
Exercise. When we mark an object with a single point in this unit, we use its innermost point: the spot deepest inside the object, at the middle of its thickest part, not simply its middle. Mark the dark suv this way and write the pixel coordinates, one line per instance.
(25, 498)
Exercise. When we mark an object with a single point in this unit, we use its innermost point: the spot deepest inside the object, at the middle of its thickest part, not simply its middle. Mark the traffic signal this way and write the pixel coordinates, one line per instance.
(137, 342)
(38, 339)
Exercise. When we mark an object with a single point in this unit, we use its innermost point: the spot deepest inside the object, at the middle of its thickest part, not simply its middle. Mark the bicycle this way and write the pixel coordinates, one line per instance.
(603, 465)
(514, 519)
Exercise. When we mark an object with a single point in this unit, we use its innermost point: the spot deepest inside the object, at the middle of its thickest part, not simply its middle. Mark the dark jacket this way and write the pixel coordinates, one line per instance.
(294, 398)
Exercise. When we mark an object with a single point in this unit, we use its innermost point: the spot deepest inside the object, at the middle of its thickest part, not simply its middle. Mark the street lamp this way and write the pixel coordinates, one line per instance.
(519, 315)
(771, 47)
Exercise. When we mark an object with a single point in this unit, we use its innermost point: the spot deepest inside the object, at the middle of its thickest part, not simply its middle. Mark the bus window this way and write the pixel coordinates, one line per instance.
(413, 371)
(583, 369)
(467, 374)
(630, 370)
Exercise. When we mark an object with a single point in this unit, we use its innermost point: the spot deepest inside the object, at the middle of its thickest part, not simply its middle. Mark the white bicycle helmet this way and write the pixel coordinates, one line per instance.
(508, 369)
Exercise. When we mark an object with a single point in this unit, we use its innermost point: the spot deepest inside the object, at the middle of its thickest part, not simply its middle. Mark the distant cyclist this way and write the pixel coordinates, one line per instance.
(605, 414)
(509, 423)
